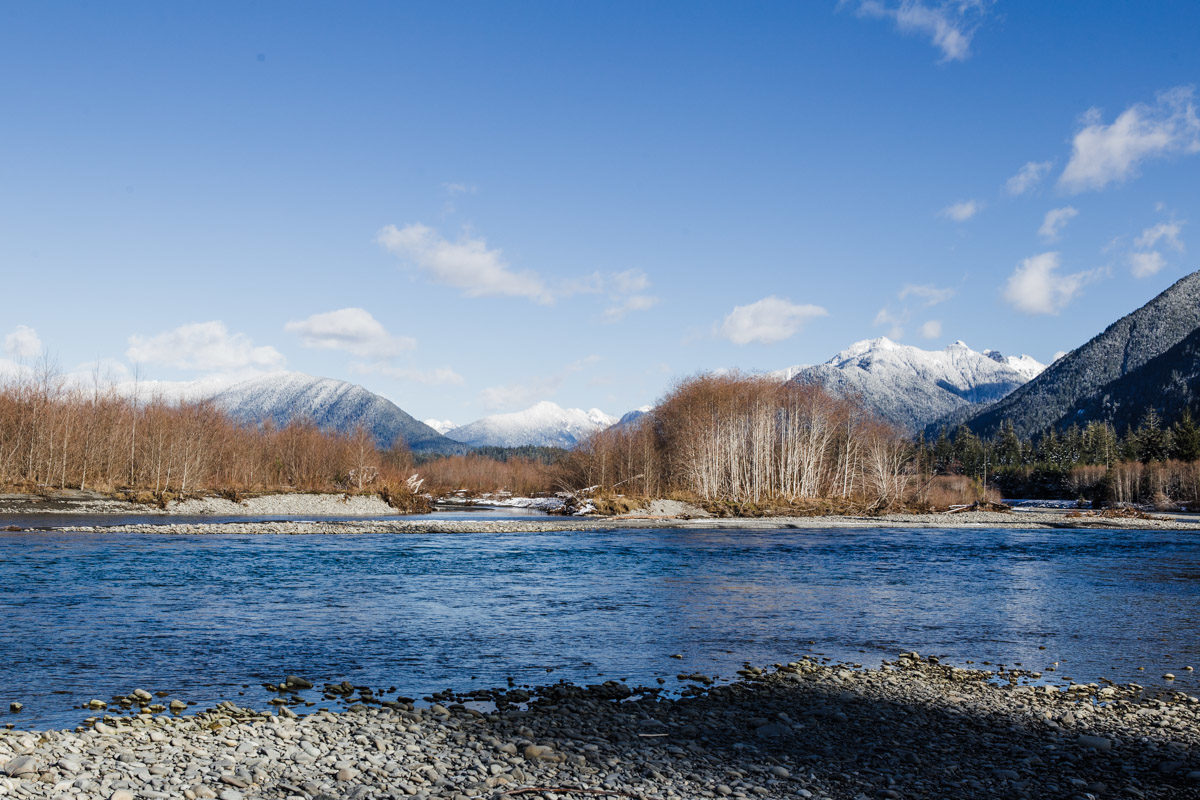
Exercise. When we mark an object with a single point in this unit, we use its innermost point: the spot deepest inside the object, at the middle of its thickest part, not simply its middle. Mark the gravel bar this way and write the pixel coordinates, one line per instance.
(1042, 518)
(913, 728)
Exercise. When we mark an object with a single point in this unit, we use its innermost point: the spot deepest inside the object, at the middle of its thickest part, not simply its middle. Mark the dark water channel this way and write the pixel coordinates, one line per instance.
(96, 615)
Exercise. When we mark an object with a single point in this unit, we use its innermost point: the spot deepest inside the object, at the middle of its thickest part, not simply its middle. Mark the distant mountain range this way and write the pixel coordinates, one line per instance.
(545, 424)
(1146, 358)
(334, 405)
(1149, 358)
(910, 387)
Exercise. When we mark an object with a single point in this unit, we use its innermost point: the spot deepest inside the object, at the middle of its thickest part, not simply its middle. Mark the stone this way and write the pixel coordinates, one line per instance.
(177, 706)
(121, 794)
(142, 695)
(535, 752)
(21, 765)
(1094, 742)
(15, 707)
(347, 774)
(296, 682)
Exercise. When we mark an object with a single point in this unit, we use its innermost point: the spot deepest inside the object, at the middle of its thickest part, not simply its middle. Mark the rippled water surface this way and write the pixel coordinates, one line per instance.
(94, 615)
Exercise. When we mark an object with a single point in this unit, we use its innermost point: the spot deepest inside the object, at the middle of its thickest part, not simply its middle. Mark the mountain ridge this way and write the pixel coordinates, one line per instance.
(332, 405)
(544, 424)
(910, 387)
(1121, 348)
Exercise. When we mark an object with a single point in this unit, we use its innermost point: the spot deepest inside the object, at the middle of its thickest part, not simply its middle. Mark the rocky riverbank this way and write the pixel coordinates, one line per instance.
(914, 728)
(356, 509)
(1041, 518)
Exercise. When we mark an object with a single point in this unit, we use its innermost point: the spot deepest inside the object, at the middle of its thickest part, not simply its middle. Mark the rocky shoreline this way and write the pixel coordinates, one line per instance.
(358, 509)
(975, 519)
(914, 728)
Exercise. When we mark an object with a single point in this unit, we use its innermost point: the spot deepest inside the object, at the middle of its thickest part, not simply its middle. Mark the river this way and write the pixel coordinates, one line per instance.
(209, 618)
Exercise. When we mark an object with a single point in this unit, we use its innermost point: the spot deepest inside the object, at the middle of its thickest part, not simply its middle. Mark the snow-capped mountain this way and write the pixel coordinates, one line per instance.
(910, 387)
(333, 405)
(544, 425)
(630, 418)
(440, 425)
(1102, 378)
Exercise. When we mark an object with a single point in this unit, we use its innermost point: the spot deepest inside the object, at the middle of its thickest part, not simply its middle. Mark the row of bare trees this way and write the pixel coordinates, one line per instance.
(750, 439)
(55, 435)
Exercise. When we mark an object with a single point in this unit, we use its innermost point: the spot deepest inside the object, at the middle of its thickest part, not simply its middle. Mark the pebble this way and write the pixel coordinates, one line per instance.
(915, 729)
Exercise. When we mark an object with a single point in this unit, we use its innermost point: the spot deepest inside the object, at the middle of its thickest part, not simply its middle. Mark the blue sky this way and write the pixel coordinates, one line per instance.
(469, 207)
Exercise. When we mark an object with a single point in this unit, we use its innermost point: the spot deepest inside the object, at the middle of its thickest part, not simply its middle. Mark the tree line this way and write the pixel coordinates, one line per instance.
(55, 435)
(1154, 461)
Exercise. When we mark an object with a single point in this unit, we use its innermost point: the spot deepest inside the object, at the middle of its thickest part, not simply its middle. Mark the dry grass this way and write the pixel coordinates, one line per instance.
(611, 505)
(943, 491)
(475, 475)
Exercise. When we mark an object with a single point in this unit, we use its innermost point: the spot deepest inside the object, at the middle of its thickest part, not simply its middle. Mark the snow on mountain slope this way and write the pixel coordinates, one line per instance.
(910, 387)
(333, 405)
(787, 373)
(440, 425)
(544, 425)
(1077, 381)
(630, 418)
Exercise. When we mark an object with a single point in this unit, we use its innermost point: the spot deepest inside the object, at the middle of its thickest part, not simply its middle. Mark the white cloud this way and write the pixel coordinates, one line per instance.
(961, 212)
(1035, 287)
(769, 320)
(1103, 154)
(437, 376)
(1143, 265)
(205, 346)
(627, 291)
(351, 329)
(1027, 177)
(931, 329)
(1055, 220)
(467, 265)
(949, 25)
(23, 343)
(1166, 232)
(931, 295)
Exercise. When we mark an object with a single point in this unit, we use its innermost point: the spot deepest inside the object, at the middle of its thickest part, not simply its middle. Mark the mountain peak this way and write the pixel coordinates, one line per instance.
(544, 424)
(910, 387)
(1123, 347)
(333, 405)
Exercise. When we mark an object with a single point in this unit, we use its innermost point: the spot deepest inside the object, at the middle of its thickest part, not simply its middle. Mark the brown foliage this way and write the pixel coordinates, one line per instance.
(752, 442)
(943, 491)
(476, 474)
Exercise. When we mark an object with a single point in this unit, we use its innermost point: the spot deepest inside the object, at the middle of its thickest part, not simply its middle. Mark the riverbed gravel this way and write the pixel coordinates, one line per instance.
(659, 514)
(1041, 518)
(913, 728)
